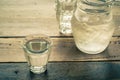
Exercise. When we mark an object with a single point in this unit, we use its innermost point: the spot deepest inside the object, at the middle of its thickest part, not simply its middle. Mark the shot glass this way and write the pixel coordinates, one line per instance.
(64, 13)
(37, 50)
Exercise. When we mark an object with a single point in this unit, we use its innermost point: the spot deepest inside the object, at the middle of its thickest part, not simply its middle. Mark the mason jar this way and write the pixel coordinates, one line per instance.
(92, 25)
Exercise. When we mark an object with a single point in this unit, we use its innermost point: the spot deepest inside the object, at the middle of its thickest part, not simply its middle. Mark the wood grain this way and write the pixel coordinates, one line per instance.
(20, 18)
(63, 71)
(23, 17)
(63, 49)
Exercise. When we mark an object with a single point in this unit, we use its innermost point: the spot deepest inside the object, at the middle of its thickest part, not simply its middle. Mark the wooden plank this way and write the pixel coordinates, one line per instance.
(116, 10)
(14, 71)
(19, 18)
(116, 17)
(117, 25)
(11, 50)
(67, 51)
(63, 71)
(23, 17)
(63, 49)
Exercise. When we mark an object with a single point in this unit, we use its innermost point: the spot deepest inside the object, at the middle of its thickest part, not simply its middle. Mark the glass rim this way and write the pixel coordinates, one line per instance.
(40, 37)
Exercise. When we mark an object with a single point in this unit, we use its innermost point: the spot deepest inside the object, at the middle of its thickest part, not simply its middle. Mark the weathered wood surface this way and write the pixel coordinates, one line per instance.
(23, 17)
(14, 71)
(63, 49)
(63, 71)
(116, 10)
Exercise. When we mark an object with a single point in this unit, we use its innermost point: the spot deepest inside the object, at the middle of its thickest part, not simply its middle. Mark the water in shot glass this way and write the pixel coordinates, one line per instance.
(64, 13)
(37, 50)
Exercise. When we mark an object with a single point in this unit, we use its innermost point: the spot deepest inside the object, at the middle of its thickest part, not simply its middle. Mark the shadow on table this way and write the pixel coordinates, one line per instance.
(42, 76)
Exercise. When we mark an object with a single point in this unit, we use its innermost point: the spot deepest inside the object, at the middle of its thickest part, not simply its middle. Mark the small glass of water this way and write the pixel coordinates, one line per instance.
(37, 50)
(64, 13)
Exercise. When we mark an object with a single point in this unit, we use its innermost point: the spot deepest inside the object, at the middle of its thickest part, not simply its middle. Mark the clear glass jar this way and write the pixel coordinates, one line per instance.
(64, 13)
(92, 25)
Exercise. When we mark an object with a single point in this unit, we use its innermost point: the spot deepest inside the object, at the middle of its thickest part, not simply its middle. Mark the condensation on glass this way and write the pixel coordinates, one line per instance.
(93, 25)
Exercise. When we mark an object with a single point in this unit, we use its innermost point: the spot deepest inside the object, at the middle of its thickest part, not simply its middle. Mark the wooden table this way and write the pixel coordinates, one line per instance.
(19, 18)
(63, 71)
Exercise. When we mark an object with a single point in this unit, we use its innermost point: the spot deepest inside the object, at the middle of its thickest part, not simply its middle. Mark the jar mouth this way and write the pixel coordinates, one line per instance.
(97, 2)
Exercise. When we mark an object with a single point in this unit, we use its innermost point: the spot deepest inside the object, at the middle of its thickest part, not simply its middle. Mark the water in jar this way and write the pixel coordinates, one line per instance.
(92, 29)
